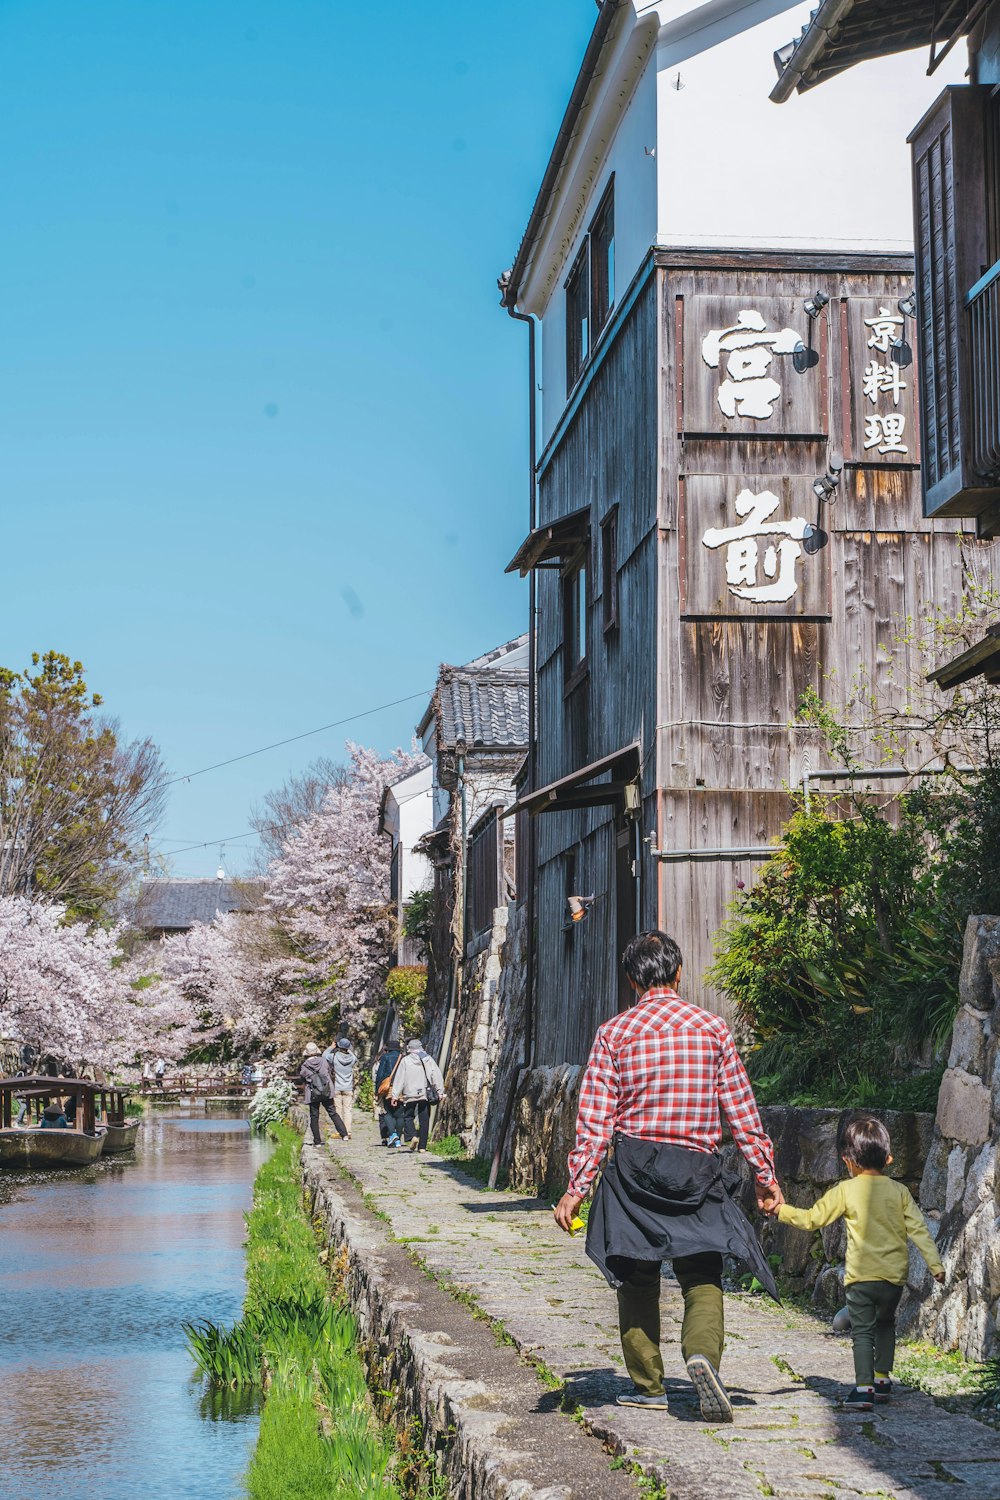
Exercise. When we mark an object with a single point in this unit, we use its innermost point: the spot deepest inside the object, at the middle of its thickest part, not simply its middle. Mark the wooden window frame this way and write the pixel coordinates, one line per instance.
(585, 274)
(599, 320)
(609, 570)
(575, 629)
(578, 346)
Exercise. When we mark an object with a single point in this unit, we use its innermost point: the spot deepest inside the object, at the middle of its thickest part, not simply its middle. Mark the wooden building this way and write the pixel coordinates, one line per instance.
(956, 203)
(726, 510)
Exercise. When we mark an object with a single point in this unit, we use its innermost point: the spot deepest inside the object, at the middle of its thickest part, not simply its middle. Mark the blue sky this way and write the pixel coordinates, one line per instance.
(263, 435)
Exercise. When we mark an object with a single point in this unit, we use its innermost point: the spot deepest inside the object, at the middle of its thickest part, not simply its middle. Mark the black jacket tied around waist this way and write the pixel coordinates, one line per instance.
(657, 1201)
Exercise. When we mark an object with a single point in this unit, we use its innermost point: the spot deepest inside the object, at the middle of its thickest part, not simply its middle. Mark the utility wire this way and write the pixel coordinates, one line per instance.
(231, 839)
(350, 719)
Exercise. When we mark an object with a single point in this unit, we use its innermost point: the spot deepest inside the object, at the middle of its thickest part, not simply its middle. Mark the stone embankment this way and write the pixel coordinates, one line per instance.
(493, 1331)
(960, 1191)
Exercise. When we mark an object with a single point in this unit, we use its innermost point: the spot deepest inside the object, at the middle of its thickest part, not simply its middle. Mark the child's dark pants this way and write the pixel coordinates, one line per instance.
(872, 1305)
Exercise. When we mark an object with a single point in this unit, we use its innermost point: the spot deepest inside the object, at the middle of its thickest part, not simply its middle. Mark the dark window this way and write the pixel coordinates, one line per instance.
(577, 317)
(590, 288)
(992, 174)
(602, 262)
(609, 569)
(576, 602)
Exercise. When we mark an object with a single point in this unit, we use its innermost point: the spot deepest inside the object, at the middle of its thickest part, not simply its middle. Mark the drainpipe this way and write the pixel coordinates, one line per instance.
(528, 1054)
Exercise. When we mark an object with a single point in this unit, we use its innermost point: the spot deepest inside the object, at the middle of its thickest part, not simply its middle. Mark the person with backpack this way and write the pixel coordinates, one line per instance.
(416, 1085)
(315, 1074)
(342, 1060)
(391, 1117)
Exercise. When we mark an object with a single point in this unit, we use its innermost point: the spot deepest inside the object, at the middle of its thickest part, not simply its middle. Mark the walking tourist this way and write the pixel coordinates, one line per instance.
(159, 1069)
(315, 1074)
(881, 1216)
(390, 1121)
(416, 1085)
(342, 1061)
(657, 1079)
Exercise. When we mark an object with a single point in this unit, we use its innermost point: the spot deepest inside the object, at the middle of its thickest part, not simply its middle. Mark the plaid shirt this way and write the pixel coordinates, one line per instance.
(662, 1071)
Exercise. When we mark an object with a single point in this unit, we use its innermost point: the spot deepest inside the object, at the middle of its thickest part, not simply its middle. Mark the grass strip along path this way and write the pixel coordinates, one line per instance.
(296, 1342)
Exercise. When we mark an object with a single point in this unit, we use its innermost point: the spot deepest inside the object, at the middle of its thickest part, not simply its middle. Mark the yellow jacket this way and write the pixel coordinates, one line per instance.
(881, 1216)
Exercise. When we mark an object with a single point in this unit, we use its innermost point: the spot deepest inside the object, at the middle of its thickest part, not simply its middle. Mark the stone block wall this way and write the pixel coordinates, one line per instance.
(488, 1039)
(960, 1190)
(545, 1129)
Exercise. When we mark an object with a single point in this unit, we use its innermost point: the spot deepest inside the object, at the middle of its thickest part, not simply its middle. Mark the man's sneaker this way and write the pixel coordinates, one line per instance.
(859, 1400)
(639, 1398)
(883, 1391)
(393, 1141)
(712, 1394)
(415, 1145)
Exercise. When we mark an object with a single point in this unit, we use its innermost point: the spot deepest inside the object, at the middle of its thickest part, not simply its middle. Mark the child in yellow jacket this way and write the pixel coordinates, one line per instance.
(881, 1216)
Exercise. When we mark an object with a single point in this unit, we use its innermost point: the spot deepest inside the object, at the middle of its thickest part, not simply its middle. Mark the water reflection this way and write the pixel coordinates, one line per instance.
(98, 1270)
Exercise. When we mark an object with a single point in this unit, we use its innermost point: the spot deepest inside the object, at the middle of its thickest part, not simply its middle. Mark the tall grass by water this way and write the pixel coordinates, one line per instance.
(318, 1436)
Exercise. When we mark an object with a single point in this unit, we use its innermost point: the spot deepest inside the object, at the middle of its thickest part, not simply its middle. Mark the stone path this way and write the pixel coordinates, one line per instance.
(790, 1439)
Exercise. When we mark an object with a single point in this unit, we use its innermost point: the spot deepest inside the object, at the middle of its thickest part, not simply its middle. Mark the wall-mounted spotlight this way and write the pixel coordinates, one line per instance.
(579, 906)
(814, 540)
(908, 305)
(825, 485)
(815, 304)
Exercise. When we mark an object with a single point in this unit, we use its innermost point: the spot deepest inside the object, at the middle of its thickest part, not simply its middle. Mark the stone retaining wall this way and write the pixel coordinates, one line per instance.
(960, 1191)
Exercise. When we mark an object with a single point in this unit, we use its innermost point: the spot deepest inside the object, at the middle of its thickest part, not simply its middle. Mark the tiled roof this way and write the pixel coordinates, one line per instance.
(487, 709)
(175, 905)
(841, 33)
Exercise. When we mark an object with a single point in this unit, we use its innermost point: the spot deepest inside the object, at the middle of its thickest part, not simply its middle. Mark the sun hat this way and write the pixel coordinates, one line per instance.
(415, 1046)
(344, 1042)
(311, 1049)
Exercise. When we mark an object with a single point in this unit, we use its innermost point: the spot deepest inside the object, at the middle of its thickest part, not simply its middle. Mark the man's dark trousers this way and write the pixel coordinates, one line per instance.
(314, 1109)
(703, 1329)
(416, 1119)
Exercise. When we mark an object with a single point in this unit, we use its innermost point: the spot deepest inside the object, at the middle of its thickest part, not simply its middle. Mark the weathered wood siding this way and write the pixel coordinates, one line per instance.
(730, 681)
(706, 679)
(607, 457)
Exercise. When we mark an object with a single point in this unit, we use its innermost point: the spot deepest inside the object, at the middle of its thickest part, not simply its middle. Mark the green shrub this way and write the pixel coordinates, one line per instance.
(405, 988)
(843, 957)
(270, 1105)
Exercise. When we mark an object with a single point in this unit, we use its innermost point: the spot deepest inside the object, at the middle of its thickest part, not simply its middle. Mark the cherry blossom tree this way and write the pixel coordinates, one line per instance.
(328, 888)
(62, 990)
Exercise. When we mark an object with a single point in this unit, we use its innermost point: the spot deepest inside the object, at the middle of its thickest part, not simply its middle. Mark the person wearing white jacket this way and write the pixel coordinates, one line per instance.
(417, 1076)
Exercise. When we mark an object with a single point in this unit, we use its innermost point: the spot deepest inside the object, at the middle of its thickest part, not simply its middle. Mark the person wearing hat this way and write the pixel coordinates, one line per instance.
(315, 1074)
(342, 1061)
(416, 1085)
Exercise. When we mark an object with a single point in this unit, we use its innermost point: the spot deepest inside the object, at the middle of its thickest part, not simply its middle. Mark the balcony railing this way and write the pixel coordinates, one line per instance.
(983, 313)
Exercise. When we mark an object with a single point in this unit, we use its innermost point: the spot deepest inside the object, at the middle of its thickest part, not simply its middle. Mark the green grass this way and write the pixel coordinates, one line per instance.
(318, 1436)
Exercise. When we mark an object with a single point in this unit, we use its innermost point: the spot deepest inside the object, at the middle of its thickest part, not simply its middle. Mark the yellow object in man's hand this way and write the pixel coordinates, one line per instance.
(576, 1226)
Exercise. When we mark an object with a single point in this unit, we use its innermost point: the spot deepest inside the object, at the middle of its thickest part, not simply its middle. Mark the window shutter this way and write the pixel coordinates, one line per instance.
(949, 229)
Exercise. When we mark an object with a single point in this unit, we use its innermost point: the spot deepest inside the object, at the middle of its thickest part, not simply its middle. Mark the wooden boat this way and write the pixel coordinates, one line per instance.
(29, 1144)
(121, 1131)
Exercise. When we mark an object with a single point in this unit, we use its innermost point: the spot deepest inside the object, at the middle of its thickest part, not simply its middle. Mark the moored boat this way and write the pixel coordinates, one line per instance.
(121, 1137)
(27, 1142)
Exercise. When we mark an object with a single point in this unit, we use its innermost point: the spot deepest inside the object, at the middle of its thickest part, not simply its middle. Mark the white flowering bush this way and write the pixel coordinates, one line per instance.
(270, 1105)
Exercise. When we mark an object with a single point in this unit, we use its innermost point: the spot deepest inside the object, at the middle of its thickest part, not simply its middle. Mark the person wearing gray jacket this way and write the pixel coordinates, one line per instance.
(343, 1060)
(416, 1085)
(315, 1074)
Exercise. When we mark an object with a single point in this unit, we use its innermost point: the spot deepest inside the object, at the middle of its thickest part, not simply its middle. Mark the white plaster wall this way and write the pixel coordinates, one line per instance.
(635, 231)
(416, 817)
(830, 169)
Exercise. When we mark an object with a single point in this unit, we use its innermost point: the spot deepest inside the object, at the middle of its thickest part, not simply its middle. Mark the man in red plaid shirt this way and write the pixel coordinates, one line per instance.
(665, 1072)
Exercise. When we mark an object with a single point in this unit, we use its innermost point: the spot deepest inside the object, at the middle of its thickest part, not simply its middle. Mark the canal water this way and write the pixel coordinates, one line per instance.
(99, 1268)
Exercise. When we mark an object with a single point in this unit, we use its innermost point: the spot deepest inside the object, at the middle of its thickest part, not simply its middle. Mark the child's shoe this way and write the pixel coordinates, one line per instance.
(860, 1399)
(883, 1391)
